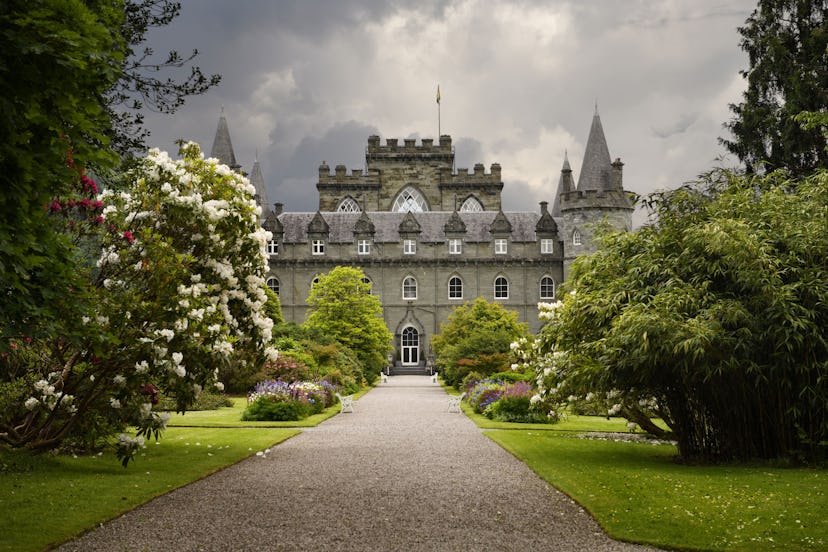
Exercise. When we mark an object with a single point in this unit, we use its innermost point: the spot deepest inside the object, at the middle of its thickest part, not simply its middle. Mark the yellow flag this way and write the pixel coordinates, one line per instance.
(438, 93)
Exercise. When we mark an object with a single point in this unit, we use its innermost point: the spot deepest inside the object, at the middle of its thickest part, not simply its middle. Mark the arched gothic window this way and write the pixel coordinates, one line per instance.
(273, 284)
(471, 205)
(409, 288)
(455, 288)
(349, 205)
(576, 237)
(367, 280)
(501, 288)
(410, 200)
(547, 288)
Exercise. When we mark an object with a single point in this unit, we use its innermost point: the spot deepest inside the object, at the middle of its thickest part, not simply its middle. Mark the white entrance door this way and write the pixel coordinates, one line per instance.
(410, 346)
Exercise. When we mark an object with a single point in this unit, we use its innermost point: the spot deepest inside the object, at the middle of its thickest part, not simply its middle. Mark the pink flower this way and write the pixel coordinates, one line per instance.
(55, 206)
(128, 237)
(99, 219)
(89, 184)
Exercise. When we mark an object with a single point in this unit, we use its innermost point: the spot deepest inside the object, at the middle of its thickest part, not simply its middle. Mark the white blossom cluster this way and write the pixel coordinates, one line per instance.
(46, 396)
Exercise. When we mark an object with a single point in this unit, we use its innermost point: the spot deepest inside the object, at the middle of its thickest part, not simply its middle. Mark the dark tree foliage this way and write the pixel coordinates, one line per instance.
(53, 122)
(141, 84)
(786, 44)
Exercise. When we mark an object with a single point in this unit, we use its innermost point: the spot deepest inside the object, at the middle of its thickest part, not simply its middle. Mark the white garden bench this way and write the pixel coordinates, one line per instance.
(434, 377)
(383, 377)
(454, 402)
(346, 403)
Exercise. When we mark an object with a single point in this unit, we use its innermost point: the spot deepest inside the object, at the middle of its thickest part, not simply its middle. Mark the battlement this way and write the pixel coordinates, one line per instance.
(340, 176)
(409, 147)
(586, 199)
(476, 177)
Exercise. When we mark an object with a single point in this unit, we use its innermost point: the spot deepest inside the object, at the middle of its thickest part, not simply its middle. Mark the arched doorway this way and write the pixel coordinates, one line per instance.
(410, 346)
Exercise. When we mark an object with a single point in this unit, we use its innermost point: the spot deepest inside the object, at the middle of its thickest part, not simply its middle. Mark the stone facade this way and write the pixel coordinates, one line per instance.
(430, 238)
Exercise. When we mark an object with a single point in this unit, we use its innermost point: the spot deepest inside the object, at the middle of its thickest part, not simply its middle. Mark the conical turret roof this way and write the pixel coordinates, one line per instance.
(565, 184)
(597, 166)
(257, 180)
(222, 146)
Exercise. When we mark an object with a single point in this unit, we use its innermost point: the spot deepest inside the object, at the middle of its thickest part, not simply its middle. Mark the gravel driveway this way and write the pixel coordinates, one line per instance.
(398, 474)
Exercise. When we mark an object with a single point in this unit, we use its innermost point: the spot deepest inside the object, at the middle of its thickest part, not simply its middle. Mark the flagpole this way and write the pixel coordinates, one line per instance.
(438, 113)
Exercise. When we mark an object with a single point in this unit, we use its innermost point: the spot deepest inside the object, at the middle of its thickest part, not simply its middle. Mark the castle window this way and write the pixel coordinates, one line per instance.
(501, 246)
(409, 288)
(410, 200)
(318, 247)
(409, 247)
(547, 288)
(547, 246)
(366, 280)
(471, 205)
(363, 247)
(501, 288)
(455, 288)
(455, 246)
(349, 205)
(314, 282)
(273, 284)
(576, 237)
(273, 247)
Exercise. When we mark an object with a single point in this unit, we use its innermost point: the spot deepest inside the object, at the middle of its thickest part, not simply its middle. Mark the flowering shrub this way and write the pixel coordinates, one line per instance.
(176, 292)
(484, 393)
(276, 400)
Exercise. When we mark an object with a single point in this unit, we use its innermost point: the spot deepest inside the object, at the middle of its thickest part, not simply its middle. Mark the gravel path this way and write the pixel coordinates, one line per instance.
(398, 474)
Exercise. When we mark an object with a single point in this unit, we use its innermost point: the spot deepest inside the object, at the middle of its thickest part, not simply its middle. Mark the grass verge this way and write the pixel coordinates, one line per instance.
(230, 416)
(47, 500)
(638, 493)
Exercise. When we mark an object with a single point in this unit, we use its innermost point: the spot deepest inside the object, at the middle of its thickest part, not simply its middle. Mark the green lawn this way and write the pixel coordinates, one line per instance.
(637, 492)
(48, 499)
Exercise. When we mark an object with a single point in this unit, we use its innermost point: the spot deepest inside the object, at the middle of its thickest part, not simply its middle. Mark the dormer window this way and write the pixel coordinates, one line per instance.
(547, 246)
(455, 246)
(409, 247)
(501, 246)
(363, 247)
(318, 247)
(273, 247)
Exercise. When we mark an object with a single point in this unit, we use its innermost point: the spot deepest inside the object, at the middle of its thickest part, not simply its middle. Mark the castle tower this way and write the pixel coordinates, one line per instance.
(222, 146)
(598, 197)
(257, 180)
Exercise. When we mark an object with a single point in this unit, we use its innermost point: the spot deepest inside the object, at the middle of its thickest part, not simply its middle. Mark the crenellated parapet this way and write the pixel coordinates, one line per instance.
(409, 148)
(476, 178)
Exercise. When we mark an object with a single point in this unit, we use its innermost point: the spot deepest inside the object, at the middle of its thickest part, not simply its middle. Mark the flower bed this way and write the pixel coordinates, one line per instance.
(276, 400)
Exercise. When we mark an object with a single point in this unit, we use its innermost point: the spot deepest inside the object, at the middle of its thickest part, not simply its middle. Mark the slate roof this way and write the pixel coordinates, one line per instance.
(222, 146)
(595, 171)
(387, 225)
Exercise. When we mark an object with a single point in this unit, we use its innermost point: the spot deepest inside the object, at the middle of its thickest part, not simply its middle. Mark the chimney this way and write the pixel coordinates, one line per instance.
(544, 207)
(278, 208)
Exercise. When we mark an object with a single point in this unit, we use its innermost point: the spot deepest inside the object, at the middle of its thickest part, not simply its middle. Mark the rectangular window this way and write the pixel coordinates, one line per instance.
(455, 246)
(318, 247)
(364, 247)
(547, 247)
(501, 246)
(273, 247)
(409, 247)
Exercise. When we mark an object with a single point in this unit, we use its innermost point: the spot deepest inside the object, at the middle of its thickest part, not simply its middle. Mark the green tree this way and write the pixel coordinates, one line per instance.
(53, 123)
(476, 337)
(714, 317)
(342, 307)
(786, 44)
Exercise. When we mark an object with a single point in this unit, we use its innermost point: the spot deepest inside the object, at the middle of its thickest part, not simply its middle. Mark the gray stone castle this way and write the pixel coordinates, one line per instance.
(430, 238)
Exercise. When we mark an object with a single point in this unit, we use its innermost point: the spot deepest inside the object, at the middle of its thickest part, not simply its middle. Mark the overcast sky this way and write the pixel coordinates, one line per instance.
(306, 81)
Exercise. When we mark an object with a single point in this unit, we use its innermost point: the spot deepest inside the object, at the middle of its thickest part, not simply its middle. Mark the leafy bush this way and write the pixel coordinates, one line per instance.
(274, 409)
(513, 377)
(515, 405)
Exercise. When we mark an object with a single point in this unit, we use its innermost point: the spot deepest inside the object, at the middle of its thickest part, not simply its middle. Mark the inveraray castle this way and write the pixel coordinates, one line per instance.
(430, 237)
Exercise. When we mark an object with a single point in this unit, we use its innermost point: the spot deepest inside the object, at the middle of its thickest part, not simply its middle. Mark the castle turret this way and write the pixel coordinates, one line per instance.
(222, 146)
(257, 180)
(565, 184)
(598, 198)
